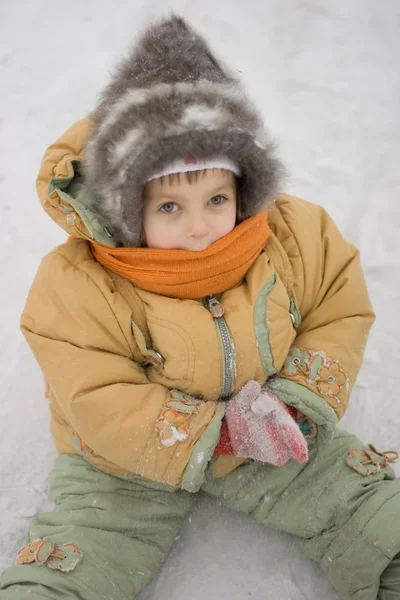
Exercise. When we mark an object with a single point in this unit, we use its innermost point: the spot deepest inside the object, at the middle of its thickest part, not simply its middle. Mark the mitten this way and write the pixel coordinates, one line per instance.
(224, 445)
(260, 427)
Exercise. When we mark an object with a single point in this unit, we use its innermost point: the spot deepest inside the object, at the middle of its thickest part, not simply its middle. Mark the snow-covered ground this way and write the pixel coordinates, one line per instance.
(326, 76)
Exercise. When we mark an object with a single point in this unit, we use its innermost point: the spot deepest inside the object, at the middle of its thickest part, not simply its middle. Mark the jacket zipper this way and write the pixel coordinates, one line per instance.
(226, 343)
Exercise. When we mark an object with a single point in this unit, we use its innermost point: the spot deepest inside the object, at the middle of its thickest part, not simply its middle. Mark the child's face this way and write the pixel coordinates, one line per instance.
(189, 216)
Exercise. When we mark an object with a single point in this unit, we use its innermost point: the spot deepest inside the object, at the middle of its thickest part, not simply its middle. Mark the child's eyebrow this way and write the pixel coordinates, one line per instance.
(222, 188)
(227, 187)
(163, 197)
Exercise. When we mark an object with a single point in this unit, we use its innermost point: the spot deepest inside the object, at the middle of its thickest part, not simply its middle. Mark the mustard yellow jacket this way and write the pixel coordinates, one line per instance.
(137, 378)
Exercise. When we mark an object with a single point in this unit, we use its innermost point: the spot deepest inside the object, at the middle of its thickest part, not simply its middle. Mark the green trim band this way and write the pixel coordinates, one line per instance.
(203, 450)
(309, 404)
(262, 330)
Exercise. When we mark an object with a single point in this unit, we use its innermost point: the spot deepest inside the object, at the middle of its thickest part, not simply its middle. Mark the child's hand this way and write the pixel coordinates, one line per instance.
(260, 427)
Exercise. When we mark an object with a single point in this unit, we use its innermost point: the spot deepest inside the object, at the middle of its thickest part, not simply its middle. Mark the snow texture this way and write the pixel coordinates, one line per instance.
(325, 74)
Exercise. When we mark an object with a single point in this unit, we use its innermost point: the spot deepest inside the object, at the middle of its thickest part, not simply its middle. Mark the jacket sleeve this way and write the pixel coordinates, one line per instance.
(331, 310)
(91, 362)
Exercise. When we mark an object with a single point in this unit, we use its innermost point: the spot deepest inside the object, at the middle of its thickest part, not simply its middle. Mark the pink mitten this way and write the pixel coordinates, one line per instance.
(260, 427)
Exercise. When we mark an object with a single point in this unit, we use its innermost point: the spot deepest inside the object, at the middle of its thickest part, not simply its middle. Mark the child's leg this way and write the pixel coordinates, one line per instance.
(124, 530)
(390, 581)
(347, 522)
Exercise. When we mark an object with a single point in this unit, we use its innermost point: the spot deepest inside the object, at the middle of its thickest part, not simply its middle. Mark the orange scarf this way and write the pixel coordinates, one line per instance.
(188, 274)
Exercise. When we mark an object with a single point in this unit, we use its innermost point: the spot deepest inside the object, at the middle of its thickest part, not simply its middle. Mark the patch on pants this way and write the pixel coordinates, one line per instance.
(369, 460)
(43, 552)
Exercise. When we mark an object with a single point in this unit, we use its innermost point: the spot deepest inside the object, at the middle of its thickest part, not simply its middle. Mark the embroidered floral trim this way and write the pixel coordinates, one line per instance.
(65, 558)
(320, 371)
(173, 424)
(43, 552)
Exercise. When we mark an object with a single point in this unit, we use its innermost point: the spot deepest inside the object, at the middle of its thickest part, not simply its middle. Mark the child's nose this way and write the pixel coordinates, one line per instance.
(197, 228)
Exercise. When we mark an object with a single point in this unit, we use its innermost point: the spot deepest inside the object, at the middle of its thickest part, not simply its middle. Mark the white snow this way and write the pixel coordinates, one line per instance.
(326, 76)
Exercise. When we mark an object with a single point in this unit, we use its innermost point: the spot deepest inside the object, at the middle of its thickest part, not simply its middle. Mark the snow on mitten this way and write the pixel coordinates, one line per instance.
(260, 427)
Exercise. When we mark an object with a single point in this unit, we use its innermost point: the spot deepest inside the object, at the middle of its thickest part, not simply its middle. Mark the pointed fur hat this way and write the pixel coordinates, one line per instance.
(171, 99)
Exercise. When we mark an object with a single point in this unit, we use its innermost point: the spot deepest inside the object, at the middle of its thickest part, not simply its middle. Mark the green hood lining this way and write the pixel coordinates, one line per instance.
(83, 201)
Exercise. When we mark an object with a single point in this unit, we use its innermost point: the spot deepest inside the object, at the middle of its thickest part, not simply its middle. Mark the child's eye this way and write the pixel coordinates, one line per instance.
(217, 200)
(169, 207)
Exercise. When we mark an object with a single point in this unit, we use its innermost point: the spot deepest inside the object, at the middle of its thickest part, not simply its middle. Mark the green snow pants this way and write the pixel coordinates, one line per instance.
(347, 522)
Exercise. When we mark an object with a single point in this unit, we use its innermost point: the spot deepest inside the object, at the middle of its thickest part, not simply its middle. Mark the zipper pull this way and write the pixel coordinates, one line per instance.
(216, 309)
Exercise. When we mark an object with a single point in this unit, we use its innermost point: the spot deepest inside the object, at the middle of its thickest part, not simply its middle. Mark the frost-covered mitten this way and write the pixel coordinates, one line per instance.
(224, 445)
(260, 427)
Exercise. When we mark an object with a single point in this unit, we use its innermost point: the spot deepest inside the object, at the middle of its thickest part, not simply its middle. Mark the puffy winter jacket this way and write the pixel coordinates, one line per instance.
(137, 378)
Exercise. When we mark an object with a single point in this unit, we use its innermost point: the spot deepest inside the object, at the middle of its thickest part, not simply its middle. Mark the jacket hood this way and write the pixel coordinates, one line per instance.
(65, 197)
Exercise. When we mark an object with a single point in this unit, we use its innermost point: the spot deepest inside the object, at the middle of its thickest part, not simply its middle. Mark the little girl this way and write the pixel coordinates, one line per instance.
(199, 330)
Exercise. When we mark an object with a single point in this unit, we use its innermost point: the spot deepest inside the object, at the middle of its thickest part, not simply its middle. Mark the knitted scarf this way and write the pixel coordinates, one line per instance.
(188, 274)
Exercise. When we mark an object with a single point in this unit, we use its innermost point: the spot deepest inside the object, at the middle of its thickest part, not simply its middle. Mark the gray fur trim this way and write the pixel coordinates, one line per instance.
(168, 99)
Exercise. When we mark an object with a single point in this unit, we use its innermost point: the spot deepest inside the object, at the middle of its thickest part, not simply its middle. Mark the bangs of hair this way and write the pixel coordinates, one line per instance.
(190, 177)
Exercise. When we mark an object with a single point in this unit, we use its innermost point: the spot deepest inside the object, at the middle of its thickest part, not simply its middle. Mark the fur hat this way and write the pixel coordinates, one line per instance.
(168, 100)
